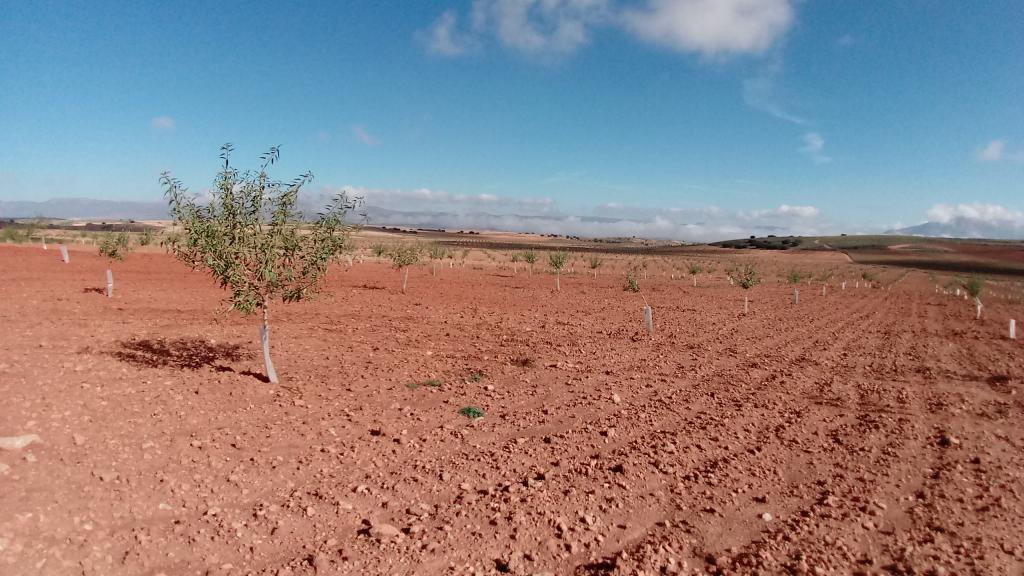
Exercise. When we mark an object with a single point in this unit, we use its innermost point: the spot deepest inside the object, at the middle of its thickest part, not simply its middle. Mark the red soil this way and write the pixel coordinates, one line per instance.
(861, 431)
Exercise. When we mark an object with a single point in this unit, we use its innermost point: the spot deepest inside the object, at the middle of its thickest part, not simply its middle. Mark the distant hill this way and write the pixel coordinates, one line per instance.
(84, 209)
(964, 228)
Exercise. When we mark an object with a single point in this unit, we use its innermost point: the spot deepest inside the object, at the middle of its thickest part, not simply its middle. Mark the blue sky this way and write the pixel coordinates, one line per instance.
(703, 117)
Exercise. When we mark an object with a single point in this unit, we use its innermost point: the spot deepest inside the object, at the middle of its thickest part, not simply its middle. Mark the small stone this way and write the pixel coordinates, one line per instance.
(767, 517)
(106, 475)
(385, 532)
(616, 399)
(78, 439)
(18, 442)
(31, 458)
(310, 511)
(4, 469)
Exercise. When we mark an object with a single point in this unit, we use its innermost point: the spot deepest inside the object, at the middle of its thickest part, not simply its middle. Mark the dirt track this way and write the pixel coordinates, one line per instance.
(865, 430)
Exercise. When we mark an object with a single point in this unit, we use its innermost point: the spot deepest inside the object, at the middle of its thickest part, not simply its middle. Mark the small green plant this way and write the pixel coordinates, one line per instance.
(530, 257)
(595, 262)
(471, 412)
(477, 377)
(432, 383)
(403, 256)
(558, 260)
(379, 250)
(631, 284)
(251, 237)
(694, 269)
(794, 277)
(868, 276)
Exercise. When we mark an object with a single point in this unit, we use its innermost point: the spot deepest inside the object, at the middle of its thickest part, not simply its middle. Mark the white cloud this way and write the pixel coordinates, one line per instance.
(428, 208)
(975, 212)
(993, 151)
(541, 27)
(712, 27)
(165, 123)
(364, 136)
(814, 148)
(444, 38)
(997, 151)
(560, 27)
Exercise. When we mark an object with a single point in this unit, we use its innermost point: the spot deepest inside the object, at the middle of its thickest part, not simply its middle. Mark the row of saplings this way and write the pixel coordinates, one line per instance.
(250, 236)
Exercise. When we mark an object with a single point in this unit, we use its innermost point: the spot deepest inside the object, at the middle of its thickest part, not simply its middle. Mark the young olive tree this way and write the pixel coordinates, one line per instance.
(595, 263)
(403, 256)
(530, 257)
(557, 260)
(436, 252)
(974, 286)
(747, 278)
(251, 237)
(694, 269)
(514, 258)
(113, 247)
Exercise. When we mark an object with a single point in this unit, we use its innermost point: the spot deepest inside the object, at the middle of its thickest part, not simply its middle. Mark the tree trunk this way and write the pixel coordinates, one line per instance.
(405, 278)
(110, 283)
(268, 364)
(746, 304)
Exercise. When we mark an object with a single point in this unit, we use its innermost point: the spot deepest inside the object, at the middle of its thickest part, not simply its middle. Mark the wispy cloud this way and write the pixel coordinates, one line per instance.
(711, 27)
(444, 37)
(814, 148)
(364, 136)
(762, 92)
(163, 123)
(997, 151)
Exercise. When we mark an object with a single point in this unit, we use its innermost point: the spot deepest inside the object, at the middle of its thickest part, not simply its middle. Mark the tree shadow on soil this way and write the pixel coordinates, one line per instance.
(180, 353)
(94, 291)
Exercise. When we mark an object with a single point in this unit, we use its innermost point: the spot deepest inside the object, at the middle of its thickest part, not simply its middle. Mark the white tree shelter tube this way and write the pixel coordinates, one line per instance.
(649, 320)
(1013, 329)
(110, 283)
(64, 253)
(265, 340)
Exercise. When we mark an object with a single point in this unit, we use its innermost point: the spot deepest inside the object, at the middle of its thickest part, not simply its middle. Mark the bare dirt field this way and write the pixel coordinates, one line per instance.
(863, 431)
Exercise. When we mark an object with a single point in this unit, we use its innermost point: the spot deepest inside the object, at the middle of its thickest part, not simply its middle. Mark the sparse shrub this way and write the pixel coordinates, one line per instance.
(557, 260)
(250, 238)
(631, 284)
(403, 256)
(747, 277)
(477, 377)
(523, 362)
(379, 250)
(794, 277)
(114, 247)
(431, 383)
(471, 412)
(694, 269)
(146, 238)
(974, 286)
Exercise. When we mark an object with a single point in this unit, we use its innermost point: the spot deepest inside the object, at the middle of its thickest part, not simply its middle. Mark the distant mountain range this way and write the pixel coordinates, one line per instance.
(964, 228)
(592, 226)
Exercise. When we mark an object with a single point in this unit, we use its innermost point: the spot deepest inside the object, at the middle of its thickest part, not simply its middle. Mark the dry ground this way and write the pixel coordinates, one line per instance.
(863, 431)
